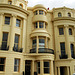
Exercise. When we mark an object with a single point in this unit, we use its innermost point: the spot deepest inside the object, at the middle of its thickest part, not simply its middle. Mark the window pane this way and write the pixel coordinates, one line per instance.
(5, 36)
(17, 22)
(2, 60)
(1, 67)
(41, 40)
(16, 38)
(7, 20)
(41, 24)
(38, 70)
(59, 15)
(61, 31)
(41, 12)
(70, 31)
(4, 45)
(46, 64)
(38, 64)
(62, 46)
(46, 70)
(36, 12)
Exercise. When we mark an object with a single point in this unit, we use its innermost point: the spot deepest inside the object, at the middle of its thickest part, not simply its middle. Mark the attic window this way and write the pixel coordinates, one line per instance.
(10, 2)
(21, 5)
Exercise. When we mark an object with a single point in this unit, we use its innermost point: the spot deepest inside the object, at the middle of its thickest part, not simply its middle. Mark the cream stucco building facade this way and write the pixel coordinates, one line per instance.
(36, 40)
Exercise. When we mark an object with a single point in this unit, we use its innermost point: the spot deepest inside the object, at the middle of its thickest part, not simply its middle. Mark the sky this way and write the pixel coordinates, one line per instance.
(52, 3)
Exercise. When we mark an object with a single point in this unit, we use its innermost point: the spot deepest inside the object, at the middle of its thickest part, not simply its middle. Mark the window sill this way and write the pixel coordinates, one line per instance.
(16, 72)
(61, 35)
(2, 71)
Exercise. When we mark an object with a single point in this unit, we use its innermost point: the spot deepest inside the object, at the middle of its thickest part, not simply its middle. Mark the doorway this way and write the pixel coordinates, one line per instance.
(27, 67)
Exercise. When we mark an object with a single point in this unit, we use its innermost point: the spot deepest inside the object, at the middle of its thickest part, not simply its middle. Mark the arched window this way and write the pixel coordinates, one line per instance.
(59, 14)
(72, 50)
(69, 14)
(70, 31)
(21, 5)
(10, 2)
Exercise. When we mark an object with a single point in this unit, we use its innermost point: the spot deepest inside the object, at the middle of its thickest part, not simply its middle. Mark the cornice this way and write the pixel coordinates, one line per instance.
(63, 18)
(14, 7)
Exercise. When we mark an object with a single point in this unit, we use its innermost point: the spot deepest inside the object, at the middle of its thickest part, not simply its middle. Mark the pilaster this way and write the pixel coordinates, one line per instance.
(41, 67)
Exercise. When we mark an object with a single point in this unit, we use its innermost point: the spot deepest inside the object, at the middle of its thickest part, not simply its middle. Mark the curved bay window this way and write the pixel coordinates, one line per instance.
(40, 25)
(41, 42)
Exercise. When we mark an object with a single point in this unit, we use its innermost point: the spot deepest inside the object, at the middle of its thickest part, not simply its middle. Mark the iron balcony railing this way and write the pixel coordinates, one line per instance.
(4, 48)
(63, 56)
(42, 50)
(17, 49)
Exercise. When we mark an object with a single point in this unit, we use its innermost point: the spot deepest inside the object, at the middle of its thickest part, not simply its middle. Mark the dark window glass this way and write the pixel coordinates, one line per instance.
(38, 67)
(16, 41)
(17, 22)
(70, 31)
(41, 40)
(16, 65)
(62, 46)
(46, 67)
(69, 14)
(36, 12)
(4, 41)
(7, 20)
(61, 31)
(36, 25)
(41, 24)
(59, 14)
(2, 64)
(40, 12)
(72, 50)
(34, 43)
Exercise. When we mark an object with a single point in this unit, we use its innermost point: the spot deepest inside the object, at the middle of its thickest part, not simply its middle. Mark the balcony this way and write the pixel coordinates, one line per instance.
(17, 49)
(4, 48)
(63, 56)
(42, 50)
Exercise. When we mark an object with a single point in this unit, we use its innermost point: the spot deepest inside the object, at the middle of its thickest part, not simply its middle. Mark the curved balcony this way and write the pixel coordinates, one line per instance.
(42, 50)
(37, 18)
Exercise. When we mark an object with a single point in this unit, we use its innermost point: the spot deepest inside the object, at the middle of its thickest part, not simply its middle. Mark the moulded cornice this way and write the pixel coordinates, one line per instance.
(64, 18)
(14, 7)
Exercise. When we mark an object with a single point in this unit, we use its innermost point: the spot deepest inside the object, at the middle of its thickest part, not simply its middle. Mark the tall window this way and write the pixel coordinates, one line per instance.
(34, 43)
(2, 64)
(41, 43)
(70, 31)
(16, 65)
(4, 41)
(7, 20)
(61, 31)
(41, 12)
(38, 66)
(59, 14)
(18, 23)
(72, 50)
(41, 24)
(46, 67)
(16, 41)
(62, 47)
(36, 13)
(69, 14)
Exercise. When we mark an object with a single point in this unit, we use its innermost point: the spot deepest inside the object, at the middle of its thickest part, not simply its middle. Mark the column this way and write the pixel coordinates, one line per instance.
(24, 35)
(51, 68)
(41, 67)
(67, 43)
(46, 43)
(32, 67)
(38, 24)
(44, 25)
(37, 44)
(68, 70)
(57, 49)
(1, 23)
(24, 66)
(58, 70)
(12, 32)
